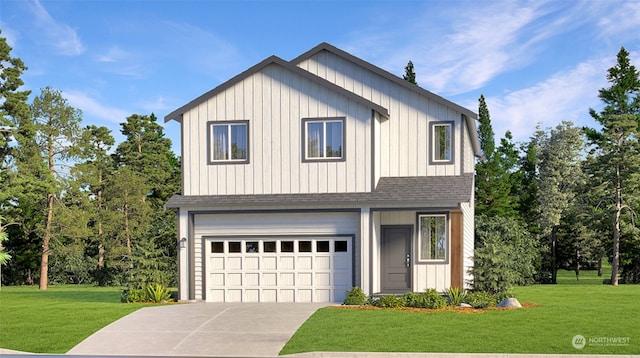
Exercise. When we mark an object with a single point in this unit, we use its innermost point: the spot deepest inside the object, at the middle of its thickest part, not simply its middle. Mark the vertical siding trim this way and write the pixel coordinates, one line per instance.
(457, 271)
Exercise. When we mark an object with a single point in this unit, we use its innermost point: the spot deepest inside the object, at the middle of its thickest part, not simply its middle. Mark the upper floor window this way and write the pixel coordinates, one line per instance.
(323, 139)
(229, 142)
(441, 142)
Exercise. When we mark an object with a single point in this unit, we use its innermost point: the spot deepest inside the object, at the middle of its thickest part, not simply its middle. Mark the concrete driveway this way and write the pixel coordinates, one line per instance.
(201, 329)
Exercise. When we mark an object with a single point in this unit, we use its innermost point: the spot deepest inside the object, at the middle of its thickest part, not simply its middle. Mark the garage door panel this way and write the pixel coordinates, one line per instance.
(274, 270)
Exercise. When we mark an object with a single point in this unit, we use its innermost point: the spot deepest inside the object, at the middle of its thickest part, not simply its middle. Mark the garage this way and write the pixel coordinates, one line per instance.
(306, 269)
(276, 257)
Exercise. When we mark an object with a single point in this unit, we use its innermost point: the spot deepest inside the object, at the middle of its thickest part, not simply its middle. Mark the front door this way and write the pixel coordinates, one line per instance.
(396, 259)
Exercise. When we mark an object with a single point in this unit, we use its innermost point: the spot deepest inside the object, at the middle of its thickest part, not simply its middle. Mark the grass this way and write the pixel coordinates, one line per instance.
(585, 307)
(56, 320)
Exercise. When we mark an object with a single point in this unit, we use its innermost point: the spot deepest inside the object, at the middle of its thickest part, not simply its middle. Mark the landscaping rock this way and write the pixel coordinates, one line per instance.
(509, 303)
(465, 305)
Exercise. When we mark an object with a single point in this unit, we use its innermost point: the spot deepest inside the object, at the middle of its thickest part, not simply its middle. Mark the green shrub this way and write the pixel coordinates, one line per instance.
(505, 254)
(455, 296)
(133, 295)
(355, 297)
(158, 293)
(155, 293)
(481, 299)
(391, 301)
(429, 299)
(372, 301)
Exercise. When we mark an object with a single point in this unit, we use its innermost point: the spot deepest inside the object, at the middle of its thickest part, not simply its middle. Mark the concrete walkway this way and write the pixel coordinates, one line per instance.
(201, 330)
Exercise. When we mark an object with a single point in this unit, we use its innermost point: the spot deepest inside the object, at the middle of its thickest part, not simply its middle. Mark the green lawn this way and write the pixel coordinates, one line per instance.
(55, 320)
(570, 308)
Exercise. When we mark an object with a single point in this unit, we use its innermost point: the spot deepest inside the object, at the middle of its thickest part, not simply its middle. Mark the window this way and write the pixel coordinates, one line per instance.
(229, 142)
(442, 142)
(323, 139)
(433, 237)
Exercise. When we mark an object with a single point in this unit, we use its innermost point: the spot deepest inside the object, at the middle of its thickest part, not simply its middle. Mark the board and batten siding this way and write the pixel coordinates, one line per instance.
(274, 101)
(403, 138)
(277, 225)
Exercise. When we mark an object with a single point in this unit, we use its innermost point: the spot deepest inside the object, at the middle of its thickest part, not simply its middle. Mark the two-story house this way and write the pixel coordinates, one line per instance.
(304, 178)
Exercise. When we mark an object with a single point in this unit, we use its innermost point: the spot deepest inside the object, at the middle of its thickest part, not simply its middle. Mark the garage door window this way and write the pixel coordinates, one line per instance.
(234, 246)
(269, 246)
(286, 246)
(254, 247)
(322, 246)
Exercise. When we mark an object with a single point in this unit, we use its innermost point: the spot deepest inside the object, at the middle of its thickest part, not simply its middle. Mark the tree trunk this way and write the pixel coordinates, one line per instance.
(44, 259)
(600, 267)
(100, 230)
(616, 231)
(554, 271)
(127, 233)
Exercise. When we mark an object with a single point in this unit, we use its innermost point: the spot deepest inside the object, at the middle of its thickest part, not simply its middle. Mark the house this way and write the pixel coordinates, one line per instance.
(304, 178)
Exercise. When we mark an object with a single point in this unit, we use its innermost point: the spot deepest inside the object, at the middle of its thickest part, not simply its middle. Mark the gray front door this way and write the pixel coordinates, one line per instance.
(396, 259)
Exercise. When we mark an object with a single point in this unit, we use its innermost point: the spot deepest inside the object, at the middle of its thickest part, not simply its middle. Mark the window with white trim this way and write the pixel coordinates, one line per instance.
(442, 142)
(434, 238)
(229, 142)
(323, 139)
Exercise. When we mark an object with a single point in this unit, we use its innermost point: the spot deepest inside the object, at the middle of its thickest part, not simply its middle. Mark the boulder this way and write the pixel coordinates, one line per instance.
(465, 305)
(510, 302)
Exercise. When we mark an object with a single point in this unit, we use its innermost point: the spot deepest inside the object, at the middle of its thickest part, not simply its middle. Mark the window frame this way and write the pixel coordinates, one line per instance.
(433, 142)
(447, 238)
(324, 121)
(210, 146)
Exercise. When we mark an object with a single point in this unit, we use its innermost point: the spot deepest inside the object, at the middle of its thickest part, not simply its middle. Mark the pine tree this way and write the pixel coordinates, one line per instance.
(615, 162)
(493, 171)
(410, 73)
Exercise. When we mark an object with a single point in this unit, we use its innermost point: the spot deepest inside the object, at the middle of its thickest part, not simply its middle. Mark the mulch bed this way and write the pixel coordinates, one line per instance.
(456, 309)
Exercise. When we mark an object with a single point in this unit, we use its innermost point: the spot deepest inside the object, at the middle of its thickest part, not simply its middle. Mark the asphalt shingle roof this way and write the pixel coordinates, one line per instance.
(434, 191)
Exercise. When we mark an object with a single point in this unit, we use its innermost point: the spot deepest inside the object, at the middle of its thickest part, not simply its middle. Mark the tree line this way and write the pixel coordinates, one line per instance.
(566, 199)
(76, 207)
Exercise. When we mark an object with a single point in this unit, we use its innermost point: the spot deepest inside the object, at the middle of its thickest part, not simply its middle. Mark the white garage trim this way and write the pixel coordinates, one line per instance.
(278, 268)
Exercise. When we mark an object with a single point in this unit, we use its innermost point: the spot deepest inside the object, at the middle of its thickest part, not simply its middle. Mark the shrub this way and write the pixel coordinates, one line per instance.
(429, 299)
(355, 297)
(372, 301)
(455, 296)
(133, 295)
(391, 301)
(481, 299)
(505, 254)
(155, 293)
(158, 293)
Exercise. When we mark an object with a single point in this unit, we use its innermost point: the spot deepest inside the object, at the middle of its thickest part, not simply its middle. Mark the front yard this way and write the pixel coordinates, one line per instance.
(607, 317)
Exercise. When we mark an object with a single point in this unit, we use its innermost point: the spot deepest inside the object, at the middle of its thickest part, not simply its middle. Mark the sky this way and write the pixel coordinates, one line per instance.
(536, 62)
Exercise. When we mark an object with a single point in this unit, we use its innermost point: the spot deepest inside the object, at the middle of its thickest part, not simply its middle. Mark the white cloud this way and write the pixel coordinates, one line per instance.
(64, 38)
(621, 19)
(94, 108)
(566, 95)
(113, 54)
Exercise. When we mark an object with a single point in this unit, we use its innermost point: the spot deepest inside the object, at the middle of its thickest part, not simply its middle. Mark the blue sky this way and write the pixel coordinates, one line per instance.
(534, 61)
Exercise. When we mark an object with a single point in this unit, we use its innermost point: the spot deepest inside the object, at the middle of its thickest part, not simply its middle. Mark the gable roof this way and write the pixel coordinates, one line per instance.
(470, 116)
(177, 114)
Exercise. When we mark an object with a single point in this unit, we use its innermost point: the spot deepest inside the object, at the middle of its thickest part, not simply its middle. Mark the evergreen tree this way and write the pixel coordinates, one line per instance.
(410, 73)
(13, 103)
(615, 166)
(493, 171)
(96, 166)
(57, 130)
